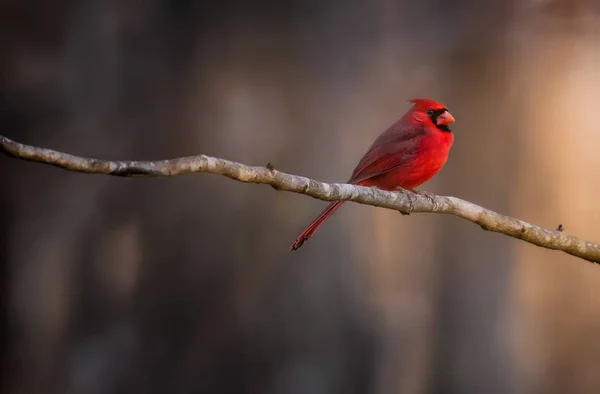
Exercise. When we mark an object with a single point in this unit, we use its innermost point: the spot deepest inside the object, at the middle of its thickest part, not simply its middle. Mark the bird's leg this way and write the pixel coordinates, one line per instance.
(410, 200)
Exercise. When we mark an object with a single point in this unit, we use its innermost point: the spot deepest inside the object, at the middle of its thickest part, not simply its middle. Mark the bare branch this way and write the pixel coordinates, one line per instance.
(402, 201)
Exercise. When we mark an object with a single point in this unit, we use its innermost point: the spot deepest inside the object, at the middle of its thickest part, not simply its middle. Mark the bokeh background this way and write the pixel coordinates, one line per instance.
(186, 285)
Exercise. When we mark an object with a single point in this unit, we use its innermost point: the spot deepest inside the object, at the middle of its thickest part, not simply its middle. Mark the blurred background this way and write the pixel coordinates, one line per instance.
(186, 285)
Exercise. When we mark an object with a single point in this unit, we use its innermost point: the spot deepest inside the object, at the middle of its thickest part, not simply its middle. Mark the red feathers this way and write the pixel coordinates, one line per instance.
(423, 104)
(408, 154)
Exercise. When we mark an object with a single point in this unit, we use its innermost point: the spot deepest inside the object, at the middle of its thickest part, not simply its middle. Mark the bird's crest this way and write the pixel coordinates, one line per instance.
(425, 103)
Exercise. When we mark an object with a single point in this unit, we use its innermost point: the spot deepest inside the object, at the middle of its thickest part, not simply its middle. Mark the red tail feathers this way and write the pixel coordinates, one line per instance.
(318, 222)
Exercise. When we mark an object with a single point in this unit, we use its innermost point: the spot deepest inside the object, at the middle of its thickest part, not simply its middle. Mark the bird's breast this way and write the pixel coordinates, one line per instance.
(432, 154)
(431, 157)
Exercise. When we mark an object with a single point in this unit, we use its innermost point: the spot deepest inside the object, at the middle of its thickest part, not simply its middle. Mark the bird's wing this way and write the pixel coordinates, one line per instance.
(394, 148)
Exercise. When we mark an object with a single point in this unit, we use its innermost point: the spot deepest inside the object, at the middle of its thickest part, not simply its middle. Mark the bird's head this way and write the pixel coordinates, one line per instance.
(427, 110)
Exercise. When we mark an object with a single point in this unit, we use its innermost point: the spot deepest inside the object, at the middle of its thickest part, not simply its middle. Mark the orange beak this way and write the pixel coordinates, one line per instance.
(445, 119)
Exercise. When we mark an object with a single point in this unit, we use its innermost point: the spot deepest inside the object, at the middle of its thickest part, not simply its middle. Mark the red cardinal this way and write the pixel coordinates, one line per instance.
(408, 154)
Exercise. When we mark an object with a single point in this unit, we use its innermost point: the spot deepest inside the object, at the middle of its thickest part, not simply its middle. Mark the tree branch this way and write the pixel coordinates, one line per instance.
(405, 201)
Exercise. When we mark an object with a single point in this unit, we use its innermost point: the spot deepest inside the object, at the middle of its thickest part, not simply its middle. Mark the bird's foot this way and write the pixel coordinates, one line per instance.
(410, 201)
(423, 193)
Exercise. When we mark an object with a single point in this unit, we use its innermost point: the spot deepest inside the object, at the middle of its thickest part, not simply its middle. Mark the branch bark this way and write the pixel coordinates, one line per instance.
(404, 201)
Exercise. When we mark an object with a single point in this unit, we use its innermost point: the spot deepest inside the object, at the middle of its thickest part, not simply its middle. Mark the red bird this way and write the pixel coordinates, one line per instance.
(407, 155)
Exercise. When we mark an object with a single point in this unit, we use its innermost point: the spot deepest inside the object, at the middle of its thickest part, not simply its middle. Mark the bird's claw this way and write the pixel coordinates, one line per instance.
(410, 202)
(424, 193)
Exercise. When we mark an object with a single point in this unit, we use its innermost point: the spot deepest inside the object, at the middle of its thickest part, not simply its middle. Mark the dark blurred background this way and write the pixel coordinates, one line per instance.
(186, 285)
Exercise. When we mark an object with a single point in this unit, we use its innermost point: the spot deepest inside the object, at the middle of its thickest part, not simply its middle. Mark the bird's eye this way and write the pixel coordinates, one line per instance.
(430, 112)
